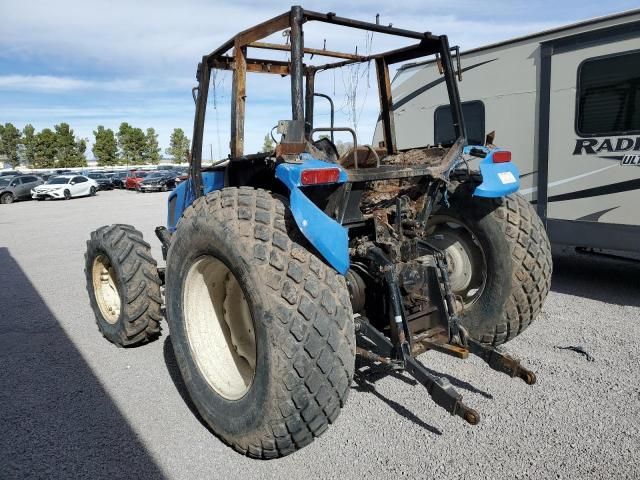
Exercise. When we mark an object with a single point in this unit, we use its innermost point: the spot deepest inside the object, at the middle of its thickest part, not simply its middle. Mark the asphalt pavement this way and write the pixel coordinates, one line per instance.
(74, 406)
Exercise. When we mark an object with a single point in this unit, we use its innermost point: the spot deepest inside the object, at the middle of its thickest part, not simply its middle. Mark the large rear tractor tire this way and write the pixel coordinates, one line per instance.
(499, 261)
(123, 285)
(261, 327)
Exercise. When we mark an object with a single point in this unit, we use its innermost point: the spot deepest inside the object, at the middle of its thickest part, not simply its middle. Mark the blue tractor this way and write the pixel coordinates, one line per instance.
(283, 268)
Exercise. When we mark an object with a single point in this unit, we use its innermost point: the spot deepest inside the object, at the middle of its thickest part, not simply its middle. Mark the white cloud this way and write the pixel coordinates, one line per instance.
(53, 84)
(60, 84)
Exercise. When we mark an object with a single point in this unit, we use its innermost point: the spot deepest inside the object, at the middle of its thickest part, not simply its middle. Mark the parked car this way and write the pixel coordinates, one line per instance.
(9, 173)
(160, 181)
(118, 179)
(18, 187)
(104, 183)
(134, 178)
(66, 186)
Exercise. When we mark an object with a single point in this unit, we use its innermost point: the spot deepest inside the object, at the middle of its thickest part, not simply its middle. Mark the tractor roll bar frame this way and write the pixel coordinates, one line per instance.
(302, 99)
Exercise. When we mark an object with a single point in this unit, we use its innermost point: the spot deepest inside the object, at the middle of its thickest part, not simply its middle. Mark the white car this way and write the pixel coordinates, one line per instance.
(65, 186)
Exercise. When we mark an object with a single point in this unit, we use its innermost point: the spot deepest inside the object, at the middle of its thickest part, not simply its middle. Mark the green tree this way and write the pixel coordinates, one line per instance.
(267, 146)
(9, 143)
(131, 142)
(45, 149)
(105, 148)
(70, 152)
(29, 142)
(152, 149)
(178, 146)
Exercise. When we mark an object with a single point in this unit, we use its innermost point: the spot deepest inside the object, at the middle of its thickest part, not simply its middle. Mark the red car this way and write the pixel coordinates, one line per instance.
(134, 178)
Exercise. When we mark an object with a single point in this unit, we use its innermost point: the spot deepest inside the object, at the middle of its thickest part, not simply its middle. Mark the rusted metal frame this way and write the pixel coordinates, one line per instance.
(254, 65)
(386, 105)
(452, 89)
(389, 172)
(264, 29)
(308, 98)
(424, 48)
(239, 96)
(297, 67)
(204, 74)
(253, 34)
(372, 27)
(311, 51)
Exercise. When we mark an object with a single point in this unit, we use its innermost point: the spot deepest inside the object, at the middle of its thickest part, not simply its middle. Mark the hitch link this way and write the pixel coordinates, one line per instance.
(440, 390)
(501, 362)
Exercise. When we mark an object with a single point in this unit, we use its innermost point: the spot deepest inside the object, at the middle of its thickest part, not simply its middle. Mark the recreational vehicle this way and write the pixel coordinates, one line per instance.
(566, 102)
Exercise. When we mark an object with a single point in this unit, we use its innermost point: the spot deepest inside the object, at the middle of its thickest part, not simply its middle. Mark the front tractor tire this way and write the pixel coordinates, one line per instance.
(123, 285)
(499, 260)
(261, 327)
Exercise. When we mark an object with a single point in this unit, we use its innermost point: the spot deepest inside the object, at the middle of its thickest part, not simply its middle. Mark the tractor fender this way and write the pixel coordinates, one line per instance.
(183, 196)
(324, 233)
(498, 179)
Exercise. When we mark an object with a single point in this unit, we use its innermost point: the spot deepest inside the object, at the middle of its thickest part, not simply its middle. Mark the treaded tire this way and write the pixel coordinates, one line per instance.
(136, 280)
(305, 340)
(518, 261)
(7, 198)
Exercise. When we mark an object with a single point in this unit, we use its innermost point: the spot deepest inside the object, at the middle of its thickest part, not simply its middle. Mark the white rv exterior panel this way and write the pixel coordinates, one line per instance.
(506, 77)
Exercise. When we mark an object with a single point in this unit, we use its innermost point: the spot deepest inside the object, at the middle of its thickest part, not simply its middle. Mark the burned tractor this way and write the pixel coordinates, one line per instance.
(281, 267)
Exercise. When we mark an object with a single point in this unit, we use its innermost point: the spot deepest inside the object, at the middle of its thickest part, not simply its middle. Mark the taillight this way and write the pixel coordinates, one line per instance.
(319, 176)
(501, 156)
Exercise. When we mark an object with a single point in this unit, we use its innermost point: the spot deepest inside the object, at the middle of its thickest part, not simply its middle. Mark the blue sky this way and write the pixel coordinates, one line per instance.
(93, 63)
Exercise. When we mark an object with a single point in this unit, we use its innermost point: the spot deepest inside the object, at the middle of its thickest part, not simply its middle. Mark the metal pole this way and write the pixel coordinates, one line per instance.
(308, 98)
(198, 127)
(452, 89)
(332, 110)
(297, 47)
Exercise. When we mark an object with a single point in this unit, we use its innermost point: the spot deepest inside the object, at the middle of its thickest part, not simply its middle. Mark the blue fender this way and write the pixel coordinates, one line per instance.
(325, 234)
(498, 179)
(183, 196)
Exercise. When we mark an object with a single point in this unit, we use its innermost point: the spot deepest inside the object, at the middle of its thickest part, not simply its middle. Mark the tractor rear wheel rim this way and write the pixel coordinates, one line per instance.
(465, 259)
(220, 327)
(106, 289)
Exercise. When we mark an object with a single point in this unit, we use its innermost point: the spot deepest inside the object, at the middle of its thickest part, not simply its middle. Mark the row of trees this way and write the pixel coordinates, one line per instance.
(60, 148)
(46, 149)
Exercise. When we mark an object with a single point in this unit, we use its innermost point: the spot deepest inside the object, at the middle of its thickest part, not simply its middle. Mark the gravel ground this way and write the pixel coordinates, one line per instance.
(75, 406)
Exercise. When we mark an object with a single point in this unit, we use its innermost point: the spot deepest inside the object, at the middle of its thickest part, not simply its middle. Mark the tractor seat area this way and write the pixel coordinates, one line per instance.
(366, 157)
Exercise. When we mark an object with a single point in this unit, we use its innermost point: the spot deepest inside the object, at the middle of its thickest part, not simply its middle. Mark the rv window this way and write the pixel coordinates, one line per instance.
(473, 113)
(609, 95)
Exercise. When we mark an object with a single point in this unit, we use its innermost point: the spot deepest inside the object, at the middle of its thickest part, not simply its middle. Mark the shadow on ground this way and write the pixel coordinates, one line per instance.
(597, 278)
(56, 420)
(174, 372)
(367, 374)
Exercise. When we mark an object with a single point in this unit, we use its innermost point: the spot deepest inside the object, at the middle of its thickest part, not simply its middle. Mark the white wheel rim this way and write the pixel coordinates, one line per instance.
(464, 254)
(105, 289)
(220, 327)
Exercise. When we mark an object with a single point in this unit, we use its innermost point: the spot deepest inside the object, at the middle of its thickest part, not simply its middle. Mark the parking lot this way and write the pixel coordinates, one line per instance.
(75, 406)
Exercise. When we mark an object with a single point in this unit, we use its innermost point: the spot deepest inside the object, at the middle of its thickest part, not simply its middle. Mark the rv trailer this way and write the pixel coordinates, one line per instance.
(566, 102)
